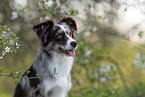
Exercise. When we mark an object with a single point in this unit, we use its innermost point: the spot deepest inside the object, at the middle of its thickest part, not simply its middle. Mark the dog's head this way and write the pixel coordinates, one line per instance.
(58, 37)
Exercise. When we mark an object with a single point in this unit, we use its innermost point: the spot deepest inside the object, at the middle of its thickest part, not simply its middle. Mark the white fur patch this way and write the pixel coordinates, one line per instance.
(63, 26)
(69, 46)
(63, 66)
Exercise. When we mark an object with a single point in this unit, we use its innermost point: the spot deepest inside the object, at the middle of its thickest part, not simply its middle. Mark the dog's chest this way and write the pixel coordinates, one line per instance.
(58, 86)
(59, 67)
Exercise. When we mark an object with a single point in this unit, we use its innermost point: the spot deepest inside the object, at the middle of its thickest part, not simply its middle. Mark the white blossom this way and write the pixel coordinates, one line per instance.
(18, 45)
(47, 17)
(108, 67)
(41, 18)
(7, 49)
(50, 3)
(94, 29)
(103, 79)
(88, 33)
(88, 53)
(14, 15)
(1, 57)
(68, 13)
(8, 29)
(16, 72)
(3, 53)
(81, 81)
(138, 55)
(4, 31)
(102, 69)
(95, 85)
(113, 92)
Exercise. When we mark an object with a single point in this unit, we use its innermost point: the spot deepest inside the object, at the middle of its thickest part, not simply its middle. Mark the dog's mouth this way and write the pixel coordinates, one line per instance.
(68, 52)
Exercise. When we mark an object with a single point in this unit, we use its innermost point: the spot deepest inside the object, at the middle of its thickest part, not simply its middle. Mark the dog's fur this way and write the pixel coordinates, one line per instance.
(49, 76)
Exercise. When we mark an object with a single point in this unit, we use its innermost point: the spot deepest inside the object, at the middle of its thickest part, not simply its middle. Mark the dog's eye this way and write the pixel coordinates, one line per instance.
(59, 36)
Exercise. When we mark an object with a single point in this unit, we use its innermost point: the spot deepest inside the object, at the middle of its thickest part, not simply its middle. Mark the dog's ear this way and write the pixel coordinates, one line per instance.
(43, 28)
(70, 22)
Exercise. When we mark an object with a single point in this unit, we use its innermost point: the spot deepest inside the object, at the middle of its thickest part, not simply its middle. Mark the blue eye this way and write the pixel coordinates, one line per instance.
(59, 36)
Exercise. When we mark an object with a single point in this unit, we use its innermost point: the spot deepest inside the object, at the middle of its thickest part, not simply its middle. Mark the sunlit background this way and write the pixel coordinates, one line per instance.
(110, 59)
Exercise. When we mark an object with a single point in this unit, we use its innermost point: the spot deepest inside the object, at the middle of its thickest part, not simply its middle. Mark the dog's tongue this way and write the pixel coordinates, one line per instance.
(68, 52)
(71, 53)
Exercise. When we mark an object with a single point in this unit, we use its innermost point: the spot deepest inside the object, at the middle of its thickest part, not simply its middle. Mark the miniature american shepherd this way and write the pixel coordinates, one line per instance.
(49, 75)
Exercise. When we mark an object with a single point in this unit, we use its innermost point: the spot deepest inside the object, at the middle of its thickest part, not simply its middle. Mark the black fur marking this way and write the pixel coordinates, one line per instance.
(34, 82)
(47, 53)
(19, 92)
(43, 27)
(37, 92)
(43, 31)
(70, 22)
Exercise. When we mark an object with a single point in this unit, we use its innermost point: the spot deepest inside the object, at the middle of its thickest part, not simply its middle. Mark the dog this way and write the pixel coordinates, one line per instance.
(49, 75)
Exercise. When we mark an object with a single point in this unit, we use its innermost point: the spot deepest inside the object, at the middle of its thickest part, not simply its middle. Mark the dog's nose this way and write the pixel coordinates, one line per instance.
(74, 44)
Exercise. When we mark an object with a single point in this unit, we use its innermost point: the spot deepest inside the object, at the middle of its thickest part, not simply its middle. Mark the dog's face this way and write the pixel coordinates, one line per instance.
(58, 37)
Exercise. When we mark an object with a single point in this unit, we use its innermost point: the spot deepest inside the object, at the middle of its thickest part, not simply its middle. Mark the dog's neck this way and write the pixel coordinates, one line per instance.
(52, 63)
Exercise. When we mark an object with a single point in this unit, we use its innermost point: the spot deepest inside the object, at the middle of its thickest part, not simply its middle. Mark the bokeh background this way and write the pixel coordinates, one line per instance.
(110, 59)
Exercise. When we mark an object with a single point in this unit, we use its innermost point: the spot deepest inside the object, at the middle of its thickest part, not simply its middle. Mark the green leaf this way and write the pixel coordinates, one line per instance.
(89, 5)
(27, 72)
(140, 34)
(99, 17)
(41, 73)
(2, 69)
(79, 71)
(8, 29)
(47, 1)
(11, 72)
(27, 80)
(73, 12)
(54, 70)
(125, 9)
(17, 38)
